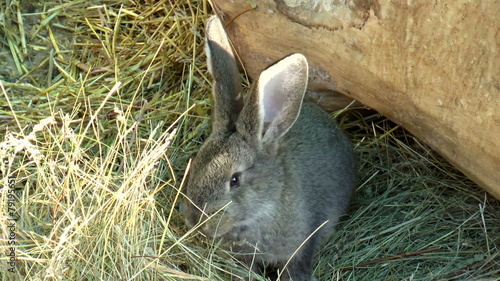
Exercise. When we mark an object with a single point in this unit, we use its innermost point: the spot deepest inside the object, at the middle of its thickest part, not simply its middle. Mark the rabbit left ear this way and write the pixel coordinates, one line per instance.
(275, 105)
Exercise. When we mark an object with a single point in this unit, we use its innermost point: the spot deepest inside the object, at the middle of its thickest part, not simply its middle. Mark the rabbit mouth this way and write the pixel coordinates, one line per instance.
(218, 226)
(226, 226)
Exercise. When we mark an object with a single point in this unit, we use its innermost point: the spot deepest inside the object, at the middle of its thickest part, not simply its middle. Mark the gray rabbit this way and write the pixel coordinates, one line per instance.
(274, 169)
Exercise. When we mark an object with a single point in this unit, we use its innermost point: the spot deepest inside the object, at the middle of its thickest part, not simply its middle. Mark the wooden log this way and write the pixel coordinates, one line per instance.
(431, 66)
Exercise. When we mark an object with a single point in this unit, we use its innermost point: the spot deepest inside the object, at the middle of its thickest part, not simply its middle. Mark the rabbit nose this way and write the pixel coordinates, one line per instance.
(193, 214)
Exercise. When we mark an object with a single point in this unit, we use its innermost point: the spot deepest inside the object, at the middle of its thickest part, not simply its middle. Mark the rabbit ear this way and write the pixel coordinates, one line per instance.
(224, 70)
(281, 89)
(275, 105)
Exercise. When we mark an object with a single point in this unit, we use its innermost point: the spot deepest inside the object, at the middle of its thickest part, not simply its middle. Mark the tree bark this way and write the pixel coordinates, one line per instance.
(430, 66)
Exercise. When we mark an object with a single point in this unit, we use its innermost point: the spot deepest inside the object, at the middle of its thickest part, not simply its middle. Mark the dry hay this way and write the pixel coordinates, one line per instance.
(104, 103)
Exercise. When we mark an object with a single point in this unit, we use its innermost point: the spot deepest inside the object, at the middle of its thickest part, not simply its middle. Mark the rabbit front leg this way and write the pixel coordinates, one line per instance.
(253, 266)
(298, 270)
(300, 267)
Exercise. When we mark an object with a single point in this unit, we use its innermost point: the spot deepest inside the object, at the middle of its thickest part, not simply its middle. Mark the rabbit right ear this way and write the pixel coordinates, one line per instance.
(275, 104)
(222, 66)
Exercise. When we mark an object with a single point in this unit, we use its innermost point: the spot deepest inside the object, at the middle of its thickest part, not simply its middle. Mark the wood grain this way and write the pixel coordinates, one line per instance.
(431, 66)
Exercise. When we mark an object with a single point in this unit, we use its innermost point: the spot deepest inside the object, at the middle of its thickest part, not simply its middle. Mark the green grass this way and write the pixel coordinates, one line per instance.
(103, 106)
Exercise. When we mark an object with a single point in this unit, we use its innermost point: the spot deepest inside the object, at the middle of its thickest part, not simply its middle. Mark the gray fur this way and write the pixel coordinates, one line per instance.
(297, 168)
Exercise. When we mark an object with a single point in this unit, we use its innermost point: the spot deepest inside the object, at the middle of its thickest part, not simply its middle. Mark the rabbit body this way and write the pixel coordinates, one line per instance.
(273, 170)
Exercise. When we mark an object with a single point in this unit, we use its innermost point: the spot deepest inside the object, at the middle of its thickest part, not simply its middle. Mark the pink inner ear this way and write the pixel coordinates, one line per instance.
(272, 101)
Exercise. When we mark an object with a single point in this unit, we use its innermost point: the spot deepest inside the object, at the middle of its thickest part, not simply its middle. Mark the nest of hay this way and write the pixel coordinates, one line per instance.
(103, 105)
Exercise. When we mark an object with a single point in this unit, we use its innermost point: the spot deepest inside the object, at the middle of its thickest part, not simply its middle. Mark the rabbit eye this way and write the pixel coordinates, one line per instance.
(235, 180)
